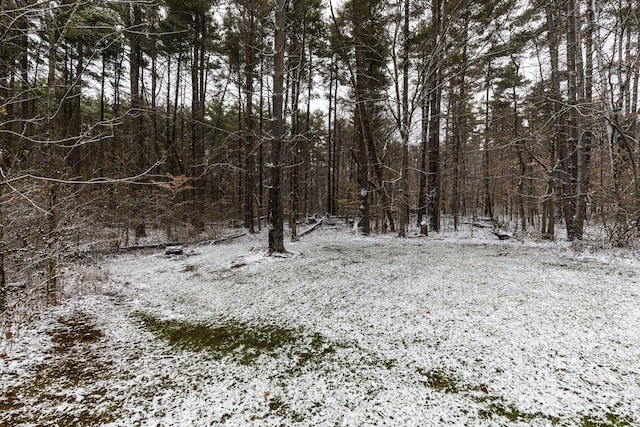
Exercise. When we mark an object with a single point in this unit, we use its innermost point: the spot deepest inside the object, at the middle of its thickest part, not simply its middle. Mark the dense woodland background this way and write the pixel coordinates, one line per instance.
(123, 118)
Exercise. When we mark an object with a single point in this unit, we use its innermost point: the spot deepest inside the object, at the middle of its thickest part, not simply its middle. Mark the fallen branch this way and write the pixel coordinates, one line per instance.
(501, 236)
(312, 228)
(226, 238)
(479, 224)
(140, 247)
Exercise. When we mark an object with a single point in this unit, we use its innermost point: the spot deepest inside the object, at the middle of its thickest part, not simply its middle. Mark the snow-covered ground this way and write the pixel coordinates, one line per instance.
(350, 331)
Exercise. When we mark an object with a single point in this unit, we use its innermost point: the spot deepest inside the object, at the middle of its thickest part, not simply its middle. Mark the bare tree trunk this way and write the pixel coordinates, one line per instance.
(588, 97)
(249, 131)
(337, 155)
(404, 131)
(156, 136)
(363, 128)
(521, 197)
(422, 180)
(135, 62)
(460, 127)
(101, 149)
(51, 243)
(435, 90)
(51, 267)
(573, 154)
(3, 280)
(488, 199)
(197, 115)
(582, 134)
(24, 71)
(555, 186)
(457, 162)
(296, 61)
(138, 149)
(276, 232)
(74, 125)
(363, 176)
(173, 131)
(261, 203)
(330, 144)
(308, 181)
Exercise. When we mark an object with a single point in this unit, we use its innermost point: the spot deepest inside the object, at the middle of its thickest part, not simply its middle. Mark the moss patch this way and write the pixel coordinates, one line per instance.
(494, 406)
(511, 413)
(242, 341)
(609, 420)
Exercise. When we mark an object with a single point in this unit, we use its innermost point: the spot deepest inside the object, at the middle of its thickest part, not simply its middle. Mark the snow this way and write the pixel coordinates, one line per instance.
(429, 331)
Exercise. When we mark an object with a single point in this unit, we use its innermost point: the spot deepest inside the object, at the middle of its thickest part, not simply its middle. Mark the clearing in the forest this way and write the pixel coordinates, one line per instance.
(346, 331)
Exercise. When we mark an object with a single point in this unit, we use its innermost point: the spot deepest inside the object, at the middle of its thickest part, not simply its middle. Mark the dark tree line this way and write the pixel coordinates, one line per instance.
(119, 119)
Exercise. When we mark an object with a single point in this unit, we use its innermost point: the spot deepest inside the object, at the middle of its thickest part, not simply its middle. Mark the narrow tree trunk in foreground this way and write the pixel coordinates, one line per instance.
(276, 232)
(3, 281)
(404, 203)
(434, 195)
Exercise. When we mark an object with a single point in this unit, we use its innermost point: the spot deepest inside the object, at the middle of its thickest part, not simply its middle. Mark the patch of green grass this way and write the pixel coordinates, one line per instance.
(609, 420)
(495, 405)
(511, 413)
(239, 340)
(278, 407)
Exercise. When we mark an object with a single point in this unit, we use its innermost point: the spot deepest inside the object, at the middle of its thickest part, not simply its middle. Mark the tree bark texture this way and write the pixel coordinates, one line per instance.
(276, 232)
(434, 186)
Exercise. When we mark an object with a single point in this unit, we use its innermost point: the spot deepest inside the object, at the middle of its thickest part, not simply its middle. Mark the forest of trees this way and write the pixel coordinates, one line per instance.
(118, 118)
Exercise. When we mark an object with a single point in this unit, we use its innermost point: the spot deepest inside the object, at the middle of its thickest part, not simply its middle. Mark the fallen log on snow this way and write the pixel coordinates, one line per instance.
(226, 238)
(312, 228)
(479, 224)
(140, 247)
(173, 250)
(501, 236)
